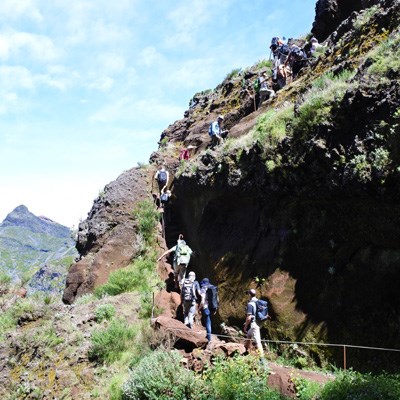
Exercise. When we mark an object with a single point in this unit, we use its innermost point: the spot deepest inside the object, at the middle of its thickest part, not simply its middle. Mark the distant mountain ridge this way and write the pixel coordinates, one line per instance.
(30, 244)
(22, 217)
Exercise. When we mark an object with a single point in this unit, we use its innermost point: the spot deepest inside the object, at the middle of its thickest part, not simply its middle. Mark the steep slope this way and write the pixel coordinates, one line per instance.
(301, 201)
(29, 243)
(108, 239)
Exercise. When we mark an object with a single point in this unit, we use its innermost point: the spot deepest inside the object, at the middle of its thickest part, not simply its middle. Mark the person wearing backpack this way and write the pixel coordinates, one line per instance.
(162, 177)
(209, 303)
(250, 326)
(182, 253)
(189, 292)
(216, 132)
(265, 91)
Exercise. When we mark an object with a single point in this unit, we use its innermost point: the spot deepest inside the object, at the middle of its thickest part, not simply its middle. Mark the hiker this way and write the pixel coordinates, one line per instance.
(265, 91)
(209, 304)
(162, 177)
(164, 196)
(253, 334)
(181, 260)
(295, 60)
(162, 136)
(190, 291)
(274, 47)
(216, 132)
(185, 153)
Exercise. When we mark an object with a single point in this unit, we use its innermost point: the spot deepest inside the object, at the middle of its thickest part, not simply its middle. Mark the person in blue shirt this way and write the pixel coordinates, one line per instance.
(217, 133)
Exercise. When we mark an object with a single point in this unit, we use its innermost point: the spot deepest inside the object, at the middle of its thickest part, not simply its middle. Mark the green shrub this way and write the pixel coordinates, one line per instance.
(306, 389)
(240, 378)
(139, 276)
(104, 311)
(5, 279)
(355, 386)
(47, 337)
(146, 217)
(384, 60)
(235, 72)
(85, 299)
(7, 322)
(364, 17)
(160, 376)
(271, 126)
(326, 91)
(120, 281)
(110, 343)
(265, 63)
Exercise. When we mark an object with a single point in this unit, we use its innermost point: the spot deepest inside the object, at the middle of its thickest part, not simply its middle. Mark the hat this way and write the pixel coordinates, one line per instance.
(191, 273)
(252, 292)
(191, 147)
(220, 117)
(205, 282)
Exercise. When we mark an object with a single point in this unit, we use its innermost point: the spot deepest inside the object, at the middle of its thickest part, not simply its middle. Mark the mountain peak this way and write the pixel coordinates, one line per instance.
(22, 217)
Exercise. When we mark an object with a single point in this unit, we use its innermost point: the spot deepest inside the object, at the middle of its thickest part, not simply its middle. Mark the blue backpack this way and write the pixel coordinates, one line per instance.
(261, 309)
(162, 177)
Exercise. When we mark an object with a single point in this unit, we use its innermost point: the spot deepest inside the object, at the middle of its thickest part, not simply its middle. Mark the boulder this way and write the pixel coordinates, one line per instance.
(186, 338)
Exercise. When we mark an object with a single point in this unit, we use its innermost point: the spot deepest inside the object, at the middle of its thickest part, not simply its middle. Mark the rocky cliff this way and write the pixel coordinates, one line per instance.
(302, 200)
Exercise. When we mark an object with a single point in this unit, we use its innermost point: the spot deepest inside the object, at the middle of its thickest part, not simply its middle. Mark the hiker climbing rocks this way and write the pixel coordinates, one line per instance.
(181, 260)
(189, 292)
(253, 333)
(162, 177)
(185, 153)
(216, 133)
(296, 60)
(265, 91)
(164, 196)
(209, 303)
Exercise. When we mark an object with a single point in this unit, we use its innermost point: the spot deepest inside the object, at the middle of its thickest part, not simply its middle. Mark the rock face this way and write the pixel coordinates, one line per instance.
(306, 212)
(330, 13)
(29, 243)
(107, 239)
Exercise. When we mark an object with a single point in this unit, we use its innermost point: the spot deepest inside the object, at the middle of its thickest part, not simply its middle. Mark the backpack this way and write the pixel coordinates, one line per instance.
(275, 41)
(261, 309)
(183, 253)
(210, 130)
(212, 297)
(298, 53)
(256, 85)
(187, 292)
(164, 198)
(284, 49)
(162, 177)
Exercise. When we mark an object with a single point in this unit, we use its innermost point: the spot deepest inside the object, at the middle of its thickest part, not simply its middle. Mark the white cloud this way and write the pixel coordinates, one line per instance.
(193, 73)
(8, 101)
(12, 9)
(16, 78)
(22, 45)
(150, 56)
(127, 109)
(103, 84)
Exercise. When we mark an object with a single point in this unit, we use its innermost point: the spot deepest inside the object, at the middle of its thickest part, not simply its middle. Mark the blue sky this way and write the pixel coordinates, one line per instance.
(87, 86)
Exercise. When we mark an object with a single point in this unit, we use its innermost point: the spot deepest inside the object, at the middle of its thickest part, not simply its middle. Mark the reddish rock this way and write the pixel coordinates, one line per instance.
(231, 348)
(185, 338)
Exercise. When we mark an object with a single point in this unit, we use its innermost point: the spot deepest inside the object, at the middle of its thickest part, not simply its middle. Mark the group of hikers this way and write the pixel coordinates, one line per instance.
(287, 61)
(204, 297)
(162, 178)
